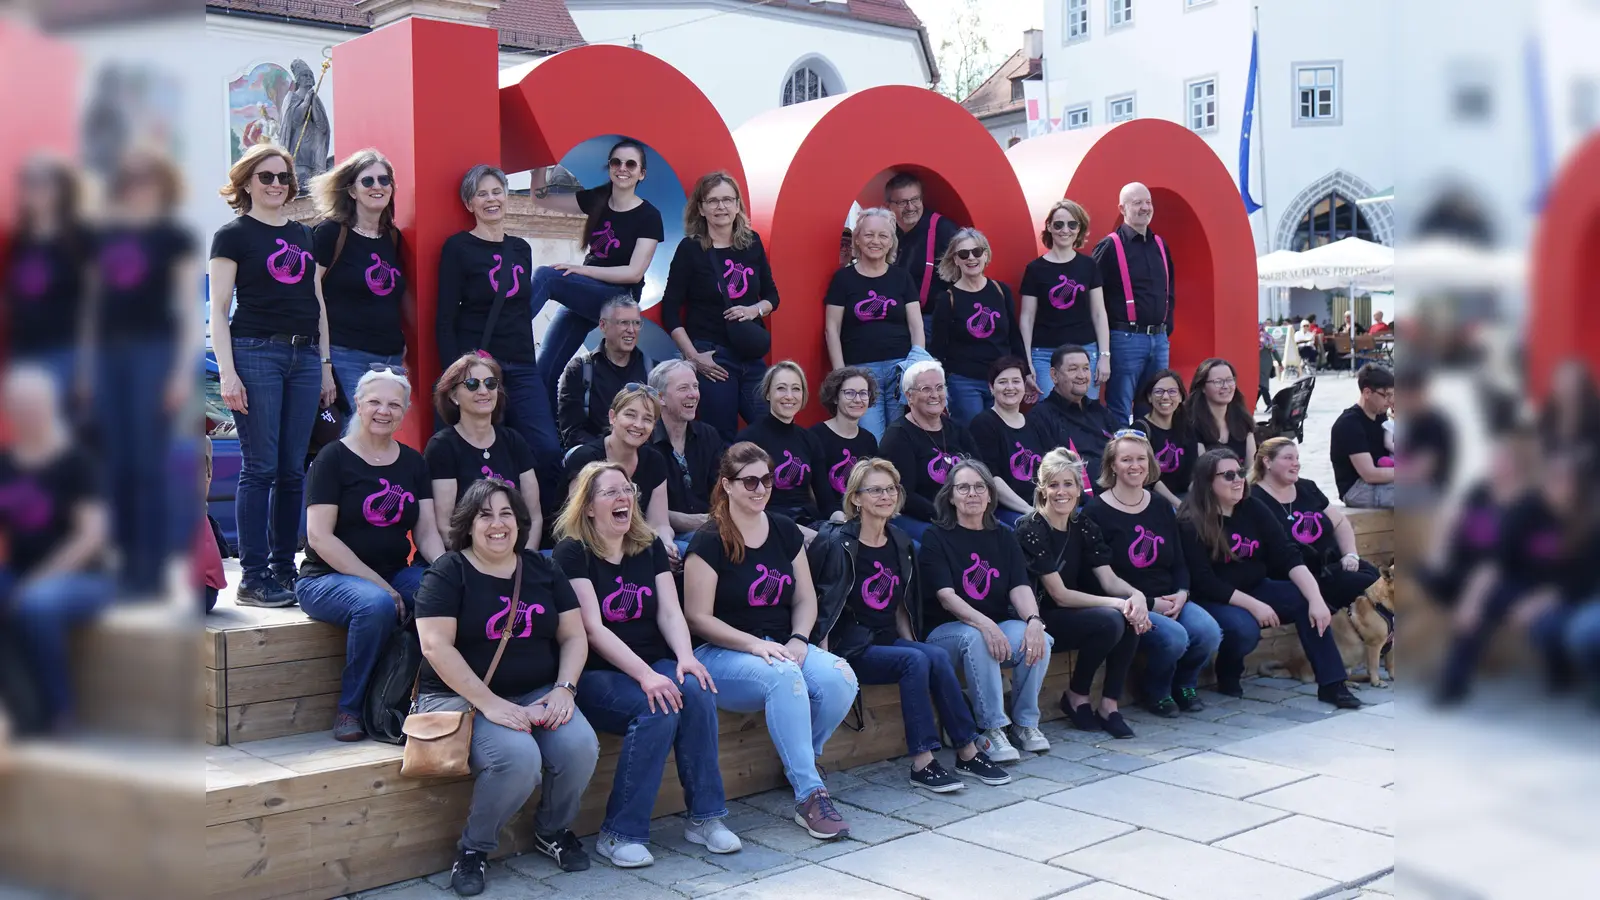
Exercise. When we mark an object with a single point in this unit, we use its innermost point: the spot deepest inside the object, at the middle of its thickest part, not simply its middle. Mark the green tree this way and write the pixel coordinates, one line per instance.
(965, 58)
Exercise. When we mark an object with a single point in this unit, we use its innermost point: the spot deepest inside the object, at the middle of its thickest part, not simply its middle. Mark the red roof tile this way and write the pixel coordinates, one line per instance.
(525, 24)
(994, 95)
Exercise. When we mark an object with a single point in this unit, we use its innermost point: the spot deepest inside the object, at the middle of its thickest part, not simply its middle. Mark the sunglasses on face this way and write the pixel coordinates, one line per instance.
(379, 180)
(1069, 225)
(490, 383)
(974, 253)
(1230, 476)
(649, 391)
(283, 178)
(618, 162)
(752, 482)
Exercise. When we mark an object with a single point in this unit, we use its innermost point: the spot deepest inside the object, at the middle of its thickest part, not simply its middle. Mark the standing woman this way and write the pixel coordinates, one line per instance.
(1326, 540)
(973, 324)
(1166, 426)
(873, 318)
(796, 455)
(1074, 308)
(620, 235)
(46, 275)
(719, 288)
(470, 398)
(642, 681)
(1007, 442)
(358, 267)
(849, 395)
(1216, 413)
(748, 595)
(272, 354)
(484, 291)
(634, 412)
(924, 444)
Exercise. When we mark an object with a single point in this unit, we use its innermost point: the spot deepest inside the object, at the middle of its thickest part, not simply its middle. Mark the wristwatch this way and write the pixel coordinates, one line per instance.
(1032, 618)
(799, 637)
(571, 688)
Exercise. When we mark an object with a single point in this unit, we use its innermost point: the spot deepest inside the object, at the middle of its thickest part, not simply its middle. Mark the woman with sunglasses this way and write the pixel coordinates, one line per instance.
(1323, 534)
(621, 232)
(1007, 442)
(848, 394)
(1165, 423)
(1073, 310)
(634, 412)
(719, 288)
(873, 317)
(1238, 561)
(370, 500)
(973, 324)
(794, 450)
(470, 399)
(1147, 554)
(1216, 412)
(268, 350)
(642, 681)
(924, 444)
(46, 284)
(748, 596)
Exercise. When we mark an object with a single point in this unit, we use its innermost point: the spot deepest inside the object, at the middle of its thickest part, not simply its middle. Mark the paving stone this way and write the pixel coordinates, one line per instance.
(1338, 852)
(1257, 723)
(1298, 715)
(830, 849)
(604, 881)
(1384, 885)
(755, 859)
(1036, 831)
(1267, 694)
(1058, 770)
(783, 837)
(1249, 706)
(1140, 745)
(414, 889)
(1175, 869)
(1119, 762)
(980, 797)
(1196, 741)
(872, 828)
(1074, 751)
(1370, 731)
(533, 865)
(881, 798)
(712, 884)
(1312, 704)
(358, 895)
(1223, 775)
(1385, 709)
(1357, 805)
(1213, 710)
(936, 867)
(812, 883)
(843, 781)
(933, 813)
(1282, 684)
(775, 803)
(1351, 762)
(1175, 753)
(1166, 808)
(1029, 788)
(1102, 890)
(671, 868)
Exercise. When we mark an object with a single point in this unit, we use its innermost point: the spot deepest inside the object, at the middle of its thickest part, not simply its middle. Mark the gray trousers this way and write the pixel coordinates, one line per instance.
(509, 764)
(1370, 496)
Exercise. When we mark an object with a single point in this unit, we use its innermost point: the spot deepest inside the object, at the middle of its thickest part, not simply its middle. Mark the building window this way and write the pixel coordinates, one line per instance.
(1077, 15)
(1472, 99)
(1202, 104)
(1317, 100)
(805, 83)
(1121, 13)
(1195, 4)
(1585, 104)
(1077, 117)
(1119, 109)
(1332, 218)
(1016, 89)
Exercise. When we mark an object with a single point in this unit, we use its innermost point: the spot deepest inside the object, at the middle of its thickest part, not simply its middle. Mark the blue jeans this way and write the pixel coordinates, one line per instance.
(43, 613)
(1041, 369)
(723, 402)
(965, 644)
(803, 704)
(1134, 358)
(1176, 649)
(1241, 633)
(581, 298)
(968, 397)
(920, 668)
(349, 365)
(528, 412)
(367, 611)
(283, 387)
(614, 703)
(144, 482)
(1581, 637)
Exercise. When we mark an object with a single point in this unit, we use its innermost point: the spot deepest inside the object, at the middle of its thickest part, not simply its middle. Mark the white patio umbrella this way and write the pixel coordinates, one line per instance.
(1348, 263)
(1270, 268)
(1447, 264)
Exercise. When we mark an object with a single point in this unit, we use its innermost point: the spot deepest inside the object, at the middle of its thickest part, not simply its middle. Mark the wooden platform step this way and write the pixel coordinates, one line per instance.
(268, 673)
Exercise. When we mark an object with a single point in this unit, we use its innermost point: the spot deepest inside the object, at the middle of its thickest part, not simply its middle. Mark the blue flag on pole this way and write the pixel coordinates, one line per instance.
(1246, 127)
(1539, 124)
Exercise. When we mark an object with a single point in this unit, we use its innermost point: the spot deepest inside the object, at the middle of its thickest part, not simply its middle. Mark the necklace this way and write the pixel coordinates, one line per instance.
(483, 450)
(364, 233)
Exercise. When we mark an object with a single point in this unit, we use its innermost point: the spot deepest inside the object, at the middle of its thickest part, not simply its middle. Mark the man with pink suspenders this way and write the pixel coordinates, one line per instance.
(1136, 271)
(923, 239)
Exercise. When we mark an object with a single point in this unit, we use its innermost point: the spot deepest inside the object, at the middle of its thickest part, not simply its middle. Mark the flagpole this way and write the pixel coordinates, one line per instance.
(1258, 132)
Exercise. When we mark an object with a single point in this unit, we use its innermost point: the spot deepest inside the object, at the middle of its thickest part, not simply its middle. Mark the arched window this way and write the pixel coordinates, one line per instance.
(805, 83)
(1331, 218)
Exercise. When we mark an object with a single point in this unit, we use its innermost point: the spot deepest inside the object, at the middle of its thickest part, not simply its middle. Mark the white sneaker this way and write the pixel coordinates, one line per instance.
(1029, 738)
(994, 743)
(712, 835)
(623, 854)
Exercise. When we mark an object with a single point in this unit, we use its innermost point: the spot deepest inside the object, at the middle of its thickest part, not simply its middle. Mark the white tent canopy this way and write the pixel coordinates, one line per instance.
(1351, 262)
(1271, 268)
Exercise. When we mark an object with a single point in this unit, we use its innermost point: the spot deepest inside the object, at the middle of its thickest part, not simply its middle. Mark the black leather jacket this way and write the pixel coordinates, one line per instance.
(832, 556)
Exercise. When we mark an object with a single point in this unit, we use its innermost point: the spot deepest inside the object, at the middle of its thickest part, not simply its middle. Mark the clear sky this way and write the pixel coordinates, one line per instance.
(1003, 20)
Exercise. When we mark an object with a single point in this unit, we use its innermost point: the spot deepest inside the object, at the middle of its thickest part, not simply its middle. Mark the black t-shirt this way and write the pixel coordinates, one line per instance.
(627, 595)
(1062, 290)
(451, 458)
(1073, 554)
(137, 267)
(472, 272)
(982, 567)
(1145, 549)
(362, 289)
(612, 243)
(691, 474)
(1258, 547)
(756, 595)
(924, 460)
(44, 291)
(649, 473)
(838, 457)
(1149, 273)
(877, 592)
(275, 290)
(1542, 550)
(1176, 450)
(1012, 454)
(481, 605)
(1429, 431)
(874, 325)
(973, 329)
(796, 463)
(913, 257)
(377, 506)
(1479, 530)
(702, 284)
(1306, 522)
(1354, 432)
(37, 505)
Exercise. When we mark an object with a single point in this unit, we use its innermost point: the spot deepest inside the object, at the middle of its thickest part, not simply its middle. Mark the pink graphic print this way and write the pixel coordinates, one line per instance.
(875, 308)
(494, 280)
(381, 277)
(1307, 527)
(1481, 529)
(737, 278)
(495, 632)
(1063, 285)
(385, 507)
(981, 323)
(767, 589)
(516, 275)
(603, 241)
(31, 276)
(123, 265)
(1545, 545)
(1385, 462)
(1022, 462)
(490, 473)
(879, 588)
(289, 264)
(1243, 547)
(791, 473)
(1145, 549)
(1170, 457)
(839, 474)
(939, 467)
(977, 578)
(26, 506)
(624, 604)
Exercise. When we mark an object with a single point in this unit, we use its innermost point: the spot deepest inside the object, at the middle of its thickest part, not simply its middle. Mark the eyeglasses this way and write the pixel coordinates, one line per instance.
(718, 202)
(1128, 432)
(283, 178)
(973, 253)
(880, 490)
(619, 163)
(1069, 225)
(624, 493)
(625, 324)
(927, 389)
(1222, 382)
(907, 203)
(751, 482)
(855, 395)
(380, 180)
(649, 391)
(385, 367)
(1230, 476)
(472, 384)
(968, 488)
(1165, 392)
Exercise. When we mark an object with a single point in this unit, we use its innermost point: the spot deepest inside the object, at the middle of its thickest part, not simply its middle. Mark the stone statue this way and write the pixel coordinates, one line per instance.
(307, 137)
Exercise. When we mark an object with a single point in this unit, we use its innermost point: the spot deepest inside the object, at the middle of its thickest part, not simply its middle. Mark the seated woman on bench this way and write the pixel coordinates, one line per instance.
(1319, 529)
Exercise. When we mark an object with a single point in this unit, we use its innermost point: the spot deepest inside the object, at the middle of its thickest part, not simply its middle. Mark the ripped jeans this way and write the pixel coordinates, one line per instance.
(804, 704)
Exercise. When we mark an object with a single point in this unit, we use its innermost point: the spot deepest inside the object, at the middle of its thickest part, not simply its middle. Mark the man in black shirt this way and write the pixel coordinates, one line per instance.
(1067, 417)
(1136, 273)
(1363, 464)
(1427, 440)
(692, 448)
(903, 196)
(594, 377)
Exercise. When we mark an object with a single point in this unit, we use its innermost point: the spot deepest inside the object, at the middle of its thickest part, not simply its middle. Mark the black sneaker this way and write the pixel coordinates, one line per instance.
(285, 579)
(1339, 695)
(982, 768)
(1082, 716)
(1164, 707)
(1115, 725)
(565, 848)
(466, 876)
(936, 778)
(268, 594)
(1189, 700)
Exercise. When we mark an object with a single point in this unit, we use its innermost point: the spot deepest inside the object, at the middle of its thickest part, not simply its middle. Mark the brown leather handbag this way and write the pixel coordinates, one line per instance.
(439, 744)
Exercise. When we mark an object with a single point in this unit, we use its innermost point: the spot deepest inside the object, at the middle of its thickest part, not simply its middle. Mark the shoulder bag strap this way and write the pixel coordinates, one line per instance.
(338, 245)
(928, 264)
(489, 323)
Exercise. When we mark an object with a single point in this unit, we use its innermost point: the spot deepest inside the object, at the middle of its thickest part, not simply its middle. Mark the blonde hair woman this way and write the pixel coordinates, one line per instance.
(1062, 301)
(973, 324)
(797, 463)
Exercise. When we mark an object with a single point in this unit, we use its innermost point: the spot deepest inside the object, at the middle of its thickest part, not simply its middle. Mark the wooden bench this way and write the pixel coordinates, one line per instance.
(268, 673)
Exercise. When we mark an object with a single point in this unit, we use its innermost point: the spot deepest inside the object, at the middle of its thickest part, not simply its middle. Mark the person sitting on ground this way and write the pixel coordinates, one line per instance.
(593, 378)
(1238, 562)
(849, 394)
(692, 449)
(1007, 442)
(369, 500)
(977, 592)
(470, 398)
(1363, 468)
(642, 680)
(1068, 417)
(1324, 536)
(633, 421)
(527, 732)
(1215, 410)
(924, 444)
(1165, 424)
(871, 616)
(797, 458)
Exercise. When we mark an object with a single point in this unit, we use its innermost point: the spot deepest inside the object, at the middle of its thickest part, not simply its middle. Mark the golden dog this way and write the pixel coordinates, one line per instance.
(1361, 632)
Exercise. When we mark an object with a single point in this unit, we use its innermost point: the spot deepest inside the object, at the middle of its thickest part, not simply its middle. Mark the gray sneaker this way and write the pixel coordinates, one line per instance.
(998, 747)
(1029, 738)
(712, 835)
(623, 854)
